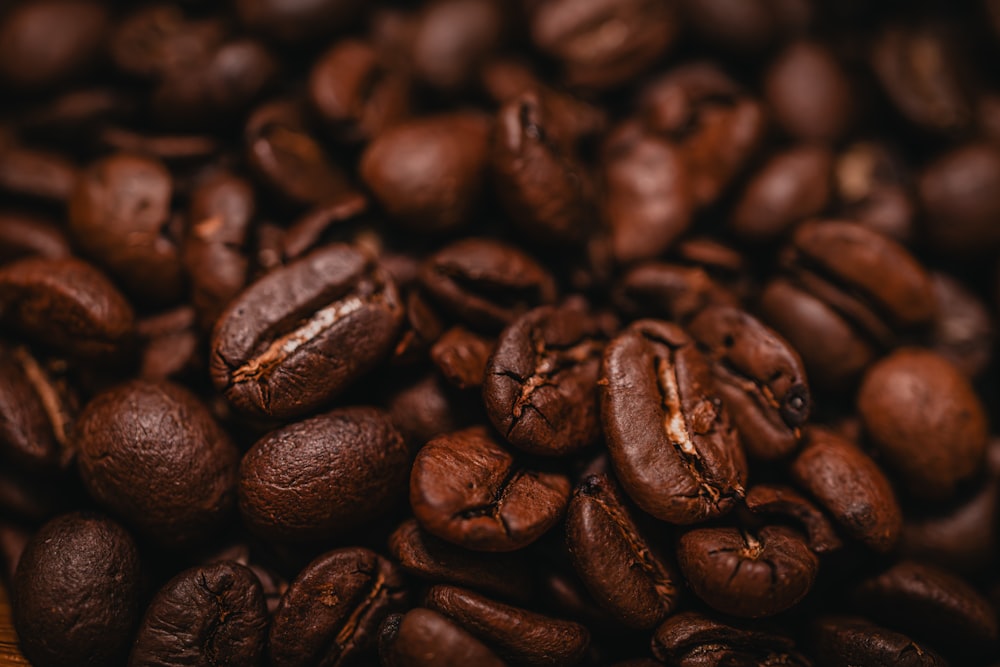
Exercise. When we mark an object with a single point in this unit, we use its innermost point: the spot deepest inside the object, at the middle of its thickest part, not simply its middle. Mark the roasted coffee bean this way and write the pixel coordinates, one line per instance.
(151, 41)
(847, 640)
(851, 487)
(425, 408)
(432, 559)
(153, 454)
(170, 345)
(320, 222)
(930, 603)
(453, 38)
(424, 638)
(784, 501)
(468, 489)
(36, 174)
(172, 149)
(462, 357)
(759, 376)
(77, 592)
(120, 215)
(963, 329)
(540, 387)
(66, 304)
(791, 186)
(332, 611)
(926, 419)
(627, 575)
(208, 615)
(517, 635)
(37, 409)
(355, 94)
(668, 291)
(873, 188)
(747, 574)
(743, 26)
(486, 283)
(691, 639)
(298, 21)
(673, 447)
(299, 336)
(429, 173)
(647, 199)
(320, 478)
(26, 235)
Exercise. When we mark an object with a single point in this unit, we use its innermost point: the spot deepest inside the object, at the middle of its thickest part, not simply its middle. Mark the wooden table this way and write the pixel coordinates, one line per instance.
(9, 655)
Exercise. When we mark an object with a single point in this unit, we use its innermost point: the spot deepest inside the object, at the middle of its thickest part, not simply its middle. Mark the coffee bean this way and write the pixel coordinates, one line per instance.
(469, 490)
(429, 173)
(744, 574)
(486, 283)
(37, 174)
(77, 592)
(298, 337)
(873, 188)
(926, 419)
(540, 387)
(784, 501)
(849, 485)
(301, 21)
(668, 291)
(963, 329)
(150, 41)
(759, 376)
(153, 454)
(170, 345)
(742, 27)
(322, 477)
(691, 639)
(671, 442)
(332, 611)
(624, 571)
(211, 614)
(452, 40)
(66, 304)
(517, 635)
(423, 638)
(426, 407)
(846, 640)
(462, 357)
(24, 235)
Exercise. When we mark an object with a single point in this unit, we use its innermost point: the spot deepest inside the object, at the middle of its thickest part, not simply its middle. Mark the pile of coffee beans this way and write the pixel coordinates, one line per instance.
(430, 333)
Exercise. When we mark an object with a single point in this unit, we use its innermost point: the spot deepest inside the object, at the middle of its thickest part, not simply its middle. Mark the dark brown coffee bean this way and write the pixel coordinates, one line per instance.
(646, 198)
(299, 336)
(30, 58)
(67, 304)
(791, 186)
(930, 603)
(77, 592)
(517, 635)
(963, 329)
(673, 447)
(26, 235)
(578, 36)
(486, 283)
(622, 569)
(155, 39)
(332, 611)
(429, 173)
(759, 376)
(320, 222)
(846, 640)
(545, 189)
(744, 574)
(320, 478)
(691, 639)
(873, 188)
(152, 453)
(774, 499)
(37, 409)
(851, 487)
(36, 174)
(170, 345)
(540, 387)
(120, 215)
(426, 408)
(287, 159)
(424, 638)
(743, 26)
(469, 490)
(453, 38)
(668, 291)
(297, 21)
(172, 149)
(926, 419)
(809, 93)
(432, 559)
(462, 356)
(356, 95)
(208, 615)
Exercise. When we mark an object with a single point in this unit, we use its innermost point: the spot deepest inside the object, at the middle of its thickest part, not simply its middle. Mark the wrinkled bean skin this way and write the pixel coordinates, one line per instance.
(671, 442)
(322, 477)
(468, 490)
(423, 638)
(625, 574)
(759, 376)
(691, 639)
(331, 613)
(841, 640)
(208, 615)
(319, 324)
(77, 592)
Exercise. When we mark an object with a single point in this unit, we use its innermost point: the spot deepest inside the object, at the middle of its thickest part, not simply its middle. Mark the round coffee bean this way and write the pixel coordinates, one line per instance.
(320, 478)
(77, 592)
(153, 454)
(208, 615)
(423, 638)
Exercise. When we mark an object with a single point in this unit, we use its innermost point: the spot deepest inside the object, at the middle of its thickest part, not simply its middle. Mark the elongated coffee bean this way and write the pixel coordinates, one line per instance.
(671, 442)
(300, 335)
(425, 638)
